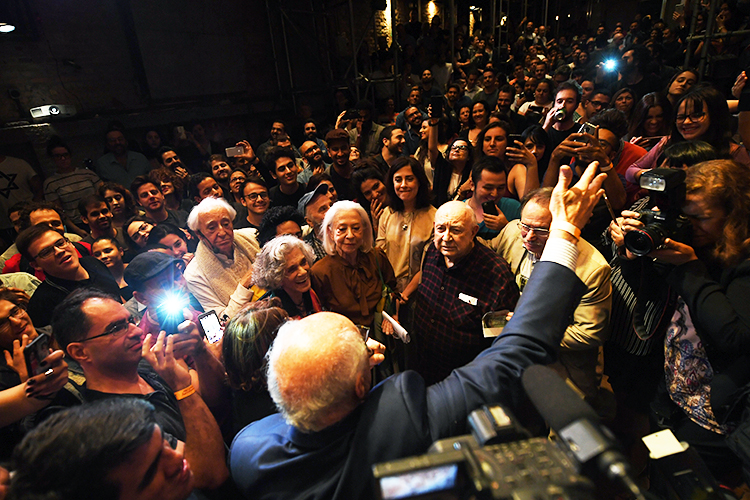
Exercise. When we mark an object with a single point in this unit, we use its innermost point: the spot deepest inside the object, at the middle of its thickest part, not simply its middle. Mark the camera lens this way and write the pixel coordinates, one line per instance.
(54, 110)
(642, 242)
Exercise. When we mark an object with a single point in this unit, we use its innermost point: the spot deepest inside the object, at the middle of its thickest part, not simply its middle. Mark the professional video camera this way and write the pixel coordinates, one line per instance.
(666, 188)
(489, 463)
(493, 463)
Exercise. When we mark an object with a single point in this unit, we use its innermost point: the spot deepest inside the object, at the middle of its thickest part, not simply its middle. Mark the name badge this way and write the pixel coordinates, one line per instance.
(467, 298)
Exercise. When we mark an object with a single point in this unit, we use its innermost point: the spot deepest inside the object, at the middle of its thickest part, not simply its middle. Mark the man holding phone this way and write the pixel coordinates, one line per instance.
(99, 334)
(156, 279)
(491, 209)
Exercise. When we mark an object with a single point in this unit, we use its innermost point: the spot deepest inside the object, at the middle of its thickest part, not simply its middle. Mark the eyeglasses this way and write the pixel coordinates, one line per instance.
(539, 231)
(694, 117)
(459, 147)
(255, 196)
(116, 329)
(16, 312)
(61, 156)
(598, 104)
(47, 251)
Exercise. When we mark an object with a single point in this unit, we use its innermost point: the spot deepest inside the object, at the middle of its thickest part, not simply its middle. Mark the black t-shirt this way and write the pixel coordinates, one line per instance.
(53, 290)
(168, 414)
(177, 218)
(344, 187)
(280, 199)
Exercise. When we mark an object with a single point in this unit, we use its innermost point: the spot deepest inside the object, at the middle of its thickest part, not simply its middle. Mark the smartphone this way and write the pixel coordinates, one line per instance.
(234, 151)
(351, 114)
(181, 135)
(36, 352)
(679, 8)
(588, 128)
(512, 138)
(436, 102)
(211, 327)
(489, 207)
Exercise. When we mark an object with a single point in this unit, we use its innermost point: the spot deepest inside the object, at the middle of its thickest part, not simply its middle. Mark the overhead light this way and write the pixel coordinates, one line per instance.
(6, 28)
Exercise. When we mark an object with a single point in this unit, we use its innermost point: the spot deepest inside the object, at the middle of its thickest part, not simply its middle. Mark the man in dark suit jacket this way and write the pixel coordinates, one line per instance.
(332, 428)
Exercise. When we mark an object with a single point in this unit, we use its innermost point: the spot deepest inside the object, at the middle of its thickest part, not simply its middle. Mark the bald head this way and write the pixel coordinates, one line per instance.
(455, 228)
(311, 152)
(318, 370)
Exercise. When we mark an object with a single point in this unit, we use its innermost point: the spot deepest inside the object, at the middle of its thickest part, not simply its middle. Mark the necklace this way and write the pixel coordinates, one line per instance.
(408, 216)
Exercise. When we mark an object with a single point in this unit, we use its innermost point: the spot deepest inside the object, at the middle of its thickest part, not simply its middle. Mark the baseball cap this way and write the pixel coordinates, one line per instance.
(145, 266)
(307, 197)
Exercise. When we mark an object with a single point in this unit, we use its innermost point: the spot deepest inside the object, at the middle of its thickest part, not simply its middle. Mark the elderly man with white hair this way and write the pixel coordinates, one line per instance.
(220, 274)
(333, 427)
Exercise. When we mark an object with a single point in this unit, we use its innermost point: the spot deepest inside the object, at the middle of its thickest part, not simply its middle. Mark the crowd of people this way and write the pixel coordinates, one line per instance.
(593, 190)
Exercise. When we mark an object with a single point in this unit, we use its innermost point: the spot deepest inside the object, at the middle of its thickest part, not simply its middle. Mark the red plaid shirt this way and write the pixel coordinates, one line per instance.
(449, 329)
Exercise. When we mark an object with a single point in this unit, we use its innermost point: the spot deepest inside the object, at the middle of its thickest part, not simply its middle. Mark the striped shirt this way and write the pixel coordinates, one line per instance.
(68, 189)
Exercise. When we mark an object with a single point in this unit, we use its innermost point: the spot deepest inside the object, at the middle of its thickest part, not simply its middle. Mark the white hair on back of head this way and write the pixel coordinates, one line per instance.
(270, 263)
(208, 205)
(332, 215)
(308, 387)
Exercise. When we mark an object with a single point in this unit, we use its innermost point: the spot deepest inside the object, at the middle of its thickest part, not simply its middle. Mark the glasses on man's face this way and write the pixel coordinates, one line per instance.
(116, 329)
(539, 231)
(16, 312)
(255, 196)
(47, 251)
(61, 156)
(598, 104)
(694, 117)
(459, 147)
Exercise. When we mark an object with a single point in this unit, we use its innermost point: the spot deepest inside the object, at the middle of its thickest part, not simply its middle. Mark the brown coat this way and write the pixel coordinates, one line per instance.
(353, 291)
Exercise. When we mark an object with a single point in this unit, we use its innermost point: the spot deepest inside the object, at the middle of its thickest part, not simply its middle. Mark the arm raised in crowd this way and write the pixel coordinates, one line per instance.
(204, 447)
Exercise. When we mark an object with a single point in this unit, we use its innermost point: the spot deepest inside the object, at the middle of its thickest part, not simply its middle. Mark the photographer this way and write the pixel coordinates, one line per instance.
(709, 329)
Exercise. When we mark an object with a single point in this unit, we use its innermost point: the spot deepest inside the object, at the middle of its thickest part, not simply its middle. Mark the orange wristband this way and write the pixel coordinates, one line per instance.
(187, 391)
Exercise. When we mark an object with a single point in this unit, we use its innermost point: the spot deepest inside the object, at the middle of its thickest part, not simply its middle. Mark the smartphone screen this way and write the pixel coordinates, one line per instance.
(211, 327)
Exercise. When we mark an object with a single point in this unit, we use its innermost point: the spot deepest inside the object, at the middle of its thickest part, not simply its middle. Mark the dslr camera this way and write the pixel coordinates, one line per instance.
(663, 219)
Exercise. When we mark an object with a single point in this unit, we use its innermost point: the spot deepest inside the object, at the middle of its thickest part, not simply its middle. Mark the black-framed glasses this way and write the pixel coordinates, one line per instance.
(116, 329)
(255, 196)
(459, 147)
(47, 251)
(694, 117)
(539, 231)
(16, 312)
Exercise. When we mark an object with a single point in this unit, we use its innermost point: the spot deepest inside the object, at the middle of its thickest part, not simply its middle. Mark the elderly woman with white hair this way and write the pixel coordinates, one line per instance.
(349, 280)
(220, 273)
(283, 268)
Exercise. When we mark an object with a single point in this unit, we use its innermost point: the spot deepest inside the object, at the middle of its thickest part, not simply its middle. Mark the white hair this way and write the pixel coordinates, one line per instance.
(270, 263)
(208, 205)
(308, 387)
(332, 215)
